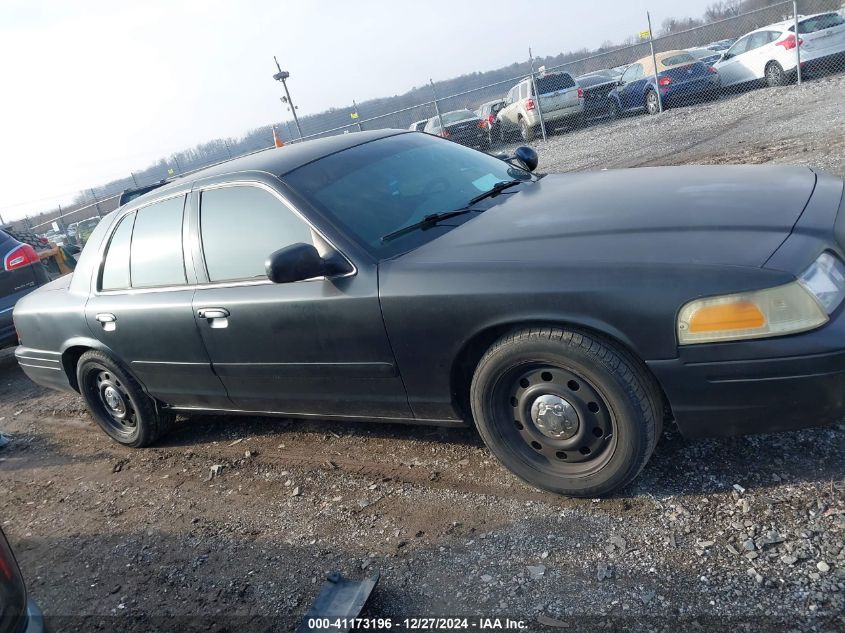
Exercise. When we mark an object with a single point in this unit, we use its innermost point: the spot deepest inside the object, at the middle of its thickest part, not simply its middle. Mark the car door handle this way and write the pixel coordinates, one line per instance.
(212, 313)
(107, 320)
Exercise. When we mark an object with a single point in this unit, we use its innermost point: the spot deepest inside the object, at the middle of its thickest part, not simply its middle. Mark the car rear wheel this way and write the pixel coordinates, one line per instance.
(526, 131)
(118, 404)
(566, 411)
(775, 75)
(652, 102)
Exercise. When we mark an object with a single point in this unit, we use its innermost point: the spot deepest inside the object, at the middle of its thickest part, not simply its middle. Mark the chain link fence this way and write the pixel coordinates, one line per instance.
(683, 67)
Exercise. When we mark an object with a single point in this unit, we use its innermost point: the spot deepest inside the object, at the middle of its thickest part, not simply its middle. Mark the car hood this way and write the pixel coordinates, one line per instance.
(695, 215)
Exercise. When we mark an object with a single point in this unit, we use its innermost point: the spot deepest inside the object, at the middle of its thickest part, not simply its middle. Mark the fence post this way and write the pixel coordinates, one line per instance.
(436, 107)
(357, 116)
(797, 42)
(96, 202)
(654, 62)
(537, 95)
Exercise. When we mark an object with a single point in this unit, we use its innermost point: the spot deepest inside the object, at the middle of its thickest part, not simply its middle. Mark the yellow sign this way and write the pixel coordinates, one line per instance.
(644, 35)
(354, 115)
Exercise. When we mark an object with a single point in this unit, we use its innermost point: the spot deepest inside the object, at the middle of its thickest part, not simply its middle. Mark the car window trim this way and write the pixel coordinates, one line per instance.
(201, 265)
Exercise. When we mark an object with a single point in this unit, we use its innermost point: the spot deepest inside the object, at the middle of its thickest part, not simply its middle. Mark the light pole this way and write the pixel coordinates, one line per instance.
(282, 75)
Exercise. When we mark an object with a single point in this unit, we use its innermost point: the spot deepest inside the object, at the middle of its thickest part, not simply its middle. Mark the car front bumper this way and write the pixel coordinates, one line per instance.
(759, 386)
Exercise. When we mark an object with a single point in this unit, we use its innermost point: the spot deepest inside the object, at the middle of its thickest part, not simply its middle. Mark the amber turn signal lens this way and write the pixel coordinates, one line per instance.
(741, 315)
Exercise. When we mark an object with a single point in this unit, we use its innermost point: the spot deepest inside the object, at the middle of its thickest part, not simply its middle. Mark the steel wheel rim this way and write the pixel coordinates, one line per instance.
(581, 449)
(652, 103)
(114, 401)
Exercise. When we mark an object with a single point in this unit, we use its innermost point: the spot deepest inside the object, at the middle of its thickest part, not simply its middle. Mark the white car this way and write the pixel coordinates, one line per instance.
(770, 52)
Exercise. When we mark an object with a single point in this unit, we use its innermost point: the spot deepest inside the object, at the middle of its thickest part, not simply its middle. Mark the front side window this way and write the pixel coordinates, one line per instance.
(240, 226)
(156, 257)
(116, 264)
(633, 73)
(373, 189)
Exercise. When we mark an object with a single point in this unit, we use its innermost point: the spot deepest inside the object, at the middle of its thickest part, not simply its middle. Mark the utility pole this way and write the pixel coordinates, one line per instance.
(357, 116)
(797, 42)
(96, 202)
(537, 95)
(437, 107)
(282, 76)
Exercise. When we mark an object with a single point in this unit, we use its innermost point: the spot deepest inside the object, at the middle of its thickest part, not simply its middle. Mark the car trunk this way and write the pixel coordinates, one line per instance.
(686, 73)
(824, 41)
(557, 92)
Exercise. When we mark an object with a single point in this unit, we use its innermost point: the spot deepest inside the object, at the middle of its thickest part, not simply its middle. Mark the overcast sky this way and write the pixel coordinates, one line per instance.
(93, 89)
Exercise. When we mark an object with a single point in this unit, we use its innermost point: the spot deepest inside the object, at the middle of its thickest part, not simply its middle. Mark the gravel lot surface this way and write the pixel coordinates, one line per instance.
(745, 534)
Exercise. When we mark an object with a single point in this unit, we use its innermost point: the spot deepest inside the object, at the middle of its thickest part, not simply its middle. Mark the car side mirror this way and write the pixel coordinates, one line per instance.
(527, 157)
(298, 262)
(723, 57)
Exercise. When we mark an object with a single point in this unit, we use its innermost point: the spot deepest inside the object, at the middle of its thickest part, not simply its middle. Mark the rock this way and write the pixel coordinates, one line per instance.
(619, 542)
(247, 454)
(486, 578)
(215, 471)
(237, 441)
(535, 572)
(823, 566)
(789, 559)
(647, 596)
(705, 544)
(295, 492)
(748, 545)
(739, 489)
(4, 440)
(755, 575)
(604, 571)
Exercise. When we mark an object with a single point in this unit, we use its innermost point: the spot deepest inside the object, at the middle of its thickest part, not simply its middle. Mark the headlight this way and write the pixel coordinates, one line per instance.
(799, 306)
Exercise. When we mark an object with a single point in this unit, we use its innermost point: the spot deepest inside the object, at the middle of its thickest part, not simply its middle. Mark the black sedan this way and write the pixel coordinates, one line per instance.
(596, 89)
(395, 276)
(461, 126)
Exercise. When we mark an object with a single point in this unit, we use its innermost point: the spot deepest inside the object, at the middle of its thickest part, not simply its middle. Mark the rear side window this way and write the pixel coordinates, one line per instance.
(156, 257)
(116, 265)
(241, 226)
(820, 23)
(676, 60)
(553, 83)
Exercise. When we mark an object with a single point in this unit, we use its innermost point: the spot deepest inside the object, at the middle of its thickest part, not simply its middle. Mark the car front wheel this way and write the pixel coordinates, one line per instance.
(566, 411)
(118, 404)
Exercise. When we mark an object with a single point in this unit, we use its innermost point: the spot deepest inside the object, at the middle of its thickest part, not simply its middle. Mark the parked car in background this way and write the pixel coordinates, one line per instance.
(392, 275)
(561, 100)
(721, 45)
(768, 54)
(418, 126)
(56, 237)
(596, 88)
(487, 112)
(22, 272)
(705, 55)
(681, 78)
(462, 126)
(18, 613)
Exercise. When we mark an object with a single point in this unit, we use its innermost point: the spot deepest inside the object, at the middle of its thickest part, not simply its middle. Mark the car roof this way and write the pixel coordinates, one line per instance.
(785, 25)
(648, 64)
(277, 161)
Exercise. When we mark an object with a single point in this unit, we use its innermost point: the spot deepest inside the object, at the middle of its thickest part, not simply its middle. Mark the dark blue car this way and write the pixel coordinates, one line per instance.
(680, 79)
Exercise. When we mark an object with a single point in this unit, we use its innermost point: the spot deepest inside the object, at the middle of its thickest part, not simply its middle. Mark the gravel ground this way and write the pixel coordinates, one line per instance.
(745, 534)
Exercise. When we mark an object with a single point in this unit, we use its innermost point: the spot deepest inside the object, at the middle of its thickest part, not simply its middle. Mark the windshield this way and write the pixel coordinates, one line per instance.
(458, 115)
(379, 187)
(701, 53)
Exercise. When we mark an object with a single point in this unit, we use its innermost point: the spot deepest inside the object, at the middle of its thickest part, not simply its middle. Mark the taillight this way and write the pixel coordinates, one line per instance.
(580, 92)
(789, 42)
(491, 119)
(12, 590)
(23, 255)
(529, 104)
(712, 70)
(445, 134)
(664, 81)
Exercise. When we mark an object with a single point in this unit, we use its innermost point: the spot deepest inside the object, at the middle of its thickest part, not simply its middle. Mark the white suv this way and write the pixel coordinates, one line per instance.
(561, 99)
(770, 53)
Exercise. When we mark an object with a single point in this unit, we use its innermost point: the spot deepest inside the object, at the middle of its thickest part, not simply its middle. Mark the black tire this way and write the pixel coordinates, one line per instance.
(526, 131)
(132, 418)
(617, 410)
(652, 102)
(613, 109)
(775, 75)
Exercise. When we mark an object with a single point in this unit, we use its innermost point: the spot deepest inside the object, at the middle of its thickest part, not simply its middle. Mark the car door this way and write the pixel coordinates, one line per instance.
(507, 115)
(631, 92)
(758, 55)
(315, 347)
(141, 307)
(731, 69)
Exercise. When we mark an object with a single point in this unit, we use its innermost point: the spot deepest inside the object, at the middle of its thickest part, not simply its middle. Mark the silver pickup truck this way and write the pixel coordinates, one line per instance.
(561, 100)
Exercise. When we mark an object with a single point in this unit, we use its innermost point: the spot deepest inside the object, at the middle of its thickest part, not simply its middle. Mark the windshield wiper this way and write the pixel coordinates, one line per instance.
(426, 223)
(495, 190)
